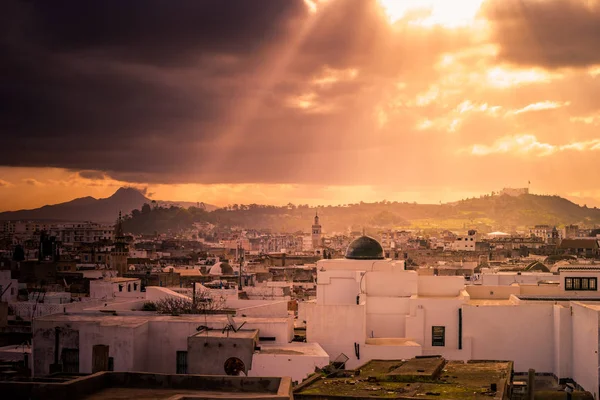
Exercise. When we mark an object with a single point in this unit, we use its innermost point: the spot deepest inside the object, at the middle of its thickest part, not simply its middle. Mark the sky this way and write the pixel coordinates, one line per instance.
(303, 101)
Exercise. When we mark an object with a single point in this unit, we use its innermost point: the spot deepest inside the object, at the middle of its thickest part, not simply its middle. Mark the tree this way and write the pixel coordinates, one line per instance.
(146, 208)
(18, 253)
(205, 301)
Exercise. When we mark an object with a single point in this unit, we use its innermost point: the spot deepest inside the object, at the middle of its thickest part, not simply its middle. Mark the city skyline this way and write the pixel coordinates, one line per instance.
(317, 102)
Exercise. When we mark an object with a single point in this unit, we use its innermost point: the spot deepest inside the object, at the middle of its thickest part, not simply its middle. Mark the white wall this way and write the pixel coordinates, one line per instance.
(388, 284)
(505, 279)
(155, 293)
(336, 328)
(338, 287)
(386, 316)
(563, 345)
(107, 289)
(426, 312)
(585, 346)
(120, 339)
(297, 366)
(271, 309)
(440, 286)
(522, 333)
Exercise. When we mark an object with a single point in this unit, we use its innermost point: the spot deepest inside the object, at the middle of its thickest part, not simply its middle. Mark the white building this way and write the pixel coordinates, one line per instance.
(465, 242)
(514, 192)
(82, 232)
(368, 307)
(146, 341)
(110, 288)
(548, 233)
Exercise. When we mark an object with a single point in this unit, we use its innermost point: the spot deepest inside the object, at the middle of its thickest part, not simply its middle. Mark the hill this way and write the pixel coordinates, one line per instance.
(486, 213)
(88, 208)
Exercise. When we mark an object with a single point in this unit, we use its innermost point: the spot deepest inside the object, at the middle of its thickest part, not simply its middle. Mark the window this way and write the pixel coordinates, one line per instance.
(129, 288)
(568, 283)
(438, 335)
(111, 364)
(581, 283)
(120, 288)
(181, 362)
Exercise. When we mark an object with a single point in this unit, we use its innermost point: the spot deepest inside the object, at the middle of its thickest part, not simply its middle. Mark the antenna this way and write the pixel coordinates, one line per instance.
(231, 325)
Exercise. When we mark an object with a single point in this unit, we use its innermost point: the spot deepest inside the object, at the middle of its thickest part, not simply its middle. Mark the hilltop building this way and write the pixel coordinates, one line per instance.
(514, 192)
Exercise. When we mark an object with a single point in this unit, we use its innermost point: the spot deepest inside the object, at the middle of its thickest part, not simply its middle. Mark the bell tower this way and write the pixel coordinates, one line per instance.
(316, 232)
(118, 257)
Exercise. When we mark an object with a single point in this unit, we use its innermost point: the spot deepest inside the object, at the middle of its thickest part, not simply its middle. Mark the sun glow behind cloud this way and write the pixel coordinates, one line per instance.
(433, 12)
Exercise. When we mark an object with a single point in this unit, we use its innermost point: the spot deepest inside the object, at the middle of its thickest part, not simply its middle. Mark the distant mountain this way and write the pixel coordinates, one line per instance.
(89, 208)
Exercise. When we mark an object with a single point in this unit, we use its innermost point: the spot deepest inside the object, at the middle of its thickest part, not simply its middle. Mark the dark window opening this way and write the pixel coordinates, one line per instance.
(120, 288)
(182, 366)
(70, 360)
(111, 364)
(438, 336)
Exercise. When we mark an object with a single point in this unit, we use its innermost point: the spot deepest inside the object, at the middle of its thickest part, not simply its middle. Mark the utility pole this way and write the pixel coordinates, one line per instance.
(194, 295)
(241, 258)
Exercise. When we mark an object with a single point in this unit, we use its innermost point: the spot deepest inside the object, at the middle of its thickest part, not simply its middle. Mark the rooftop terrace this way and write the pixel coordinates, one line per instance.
(423, 378)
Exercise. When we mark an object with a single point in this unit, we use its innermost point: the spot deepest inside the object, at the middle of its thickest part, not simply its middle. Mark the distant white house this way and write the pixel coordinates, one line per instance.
(110, 288)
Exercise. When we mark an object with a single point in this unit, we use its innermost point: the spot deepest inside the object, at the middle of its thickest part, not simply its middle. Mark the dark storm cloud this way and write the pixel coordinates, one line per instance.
(161, 32)
(93, 175)
(194, 91)
(552, 33)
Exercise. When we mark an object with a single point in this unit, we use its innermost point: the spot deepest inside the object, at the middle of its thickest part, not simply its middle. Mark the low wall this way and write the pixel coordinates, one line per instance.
(271, 309)
(221, 386)
(492, 292)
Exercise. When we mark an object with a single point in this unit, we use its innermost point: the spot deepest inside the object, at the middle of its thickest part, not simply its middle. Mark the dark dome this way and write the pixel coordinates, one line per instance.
(365, 248)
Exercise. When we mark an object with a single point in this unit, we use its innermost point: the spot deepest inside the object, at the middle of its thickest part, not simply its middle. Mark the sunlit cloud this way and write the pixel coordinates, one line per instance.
(502, 77)
(425, 124)
(592, 119)
(594, 71)
(309, 103)
(432, 12)
(540, 106)
(428, 97)
(330, 76)
(530, 145)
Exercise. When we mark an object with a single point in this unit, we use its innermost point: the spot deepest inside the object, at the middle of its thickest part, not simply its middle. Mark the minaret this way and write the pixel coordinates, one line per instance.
(316, 232)
(118, 257)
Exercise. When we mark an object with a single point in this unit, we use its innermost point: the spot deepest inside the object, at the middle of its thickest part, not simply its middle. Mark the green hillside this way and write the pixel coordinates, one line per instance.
(486, 213)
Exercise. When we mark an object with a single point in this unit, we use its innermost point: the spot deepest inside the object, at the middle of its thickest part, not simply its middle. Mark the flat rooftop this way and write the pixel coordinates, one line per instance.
(134, 385)
(220, 333)
(423, 378)
(118, 280)
(294, 348)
